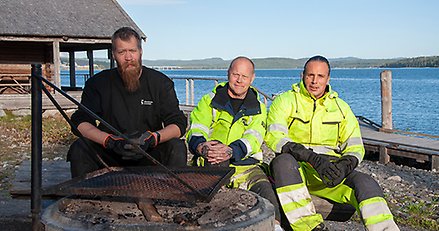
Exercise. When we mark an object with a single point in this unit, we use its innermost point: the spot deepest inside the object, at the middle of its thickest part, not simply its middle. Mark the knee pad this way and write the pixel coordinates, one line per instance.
(285, 170)
(284, 161)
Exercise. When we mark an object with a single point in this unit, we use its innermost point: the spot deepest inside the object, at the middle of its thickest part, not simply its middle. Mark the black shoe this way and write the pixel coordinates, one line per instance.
(320, 227)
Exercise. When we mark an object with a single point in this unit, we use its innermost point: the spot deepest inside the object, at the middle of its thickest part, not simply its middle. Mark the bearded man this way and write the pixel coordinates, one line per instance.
(139, 102)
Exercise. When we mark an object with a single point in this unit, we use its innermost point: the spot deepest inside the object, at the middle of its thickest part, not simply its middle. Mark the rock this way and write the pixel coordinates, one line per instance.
(50, 113)
(22, 112)
(395, 178)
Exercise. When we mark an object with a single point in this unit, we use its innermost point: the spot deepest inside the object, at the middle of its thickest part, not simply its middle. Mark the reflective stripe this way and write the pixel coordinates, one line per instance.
(236, 176)
(374, 209)
(248, 178)
(389, 225)
(258, 155)
(352, 141)
(281, 143)
(213, 114)
(247, 145)
(277, 128)
(294, 215)
(211, 95)
(202, 127)
(294, 195)
(325, 149)
(250, 119)
(256, 134)
(195, 134)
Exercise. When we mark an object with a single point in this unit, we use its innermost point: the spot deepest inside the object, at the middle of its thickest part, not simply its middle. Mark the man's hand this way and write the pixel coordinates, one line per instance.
(299, 152)
(323, 167)
(326, 170)
(147, 140)
(215, 152)
(121, 147)
(341, 168)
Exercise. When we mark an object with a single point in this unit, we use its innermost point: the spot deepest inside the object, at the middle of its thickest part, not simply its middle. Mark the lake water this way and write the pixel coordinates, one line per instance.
(415, 91)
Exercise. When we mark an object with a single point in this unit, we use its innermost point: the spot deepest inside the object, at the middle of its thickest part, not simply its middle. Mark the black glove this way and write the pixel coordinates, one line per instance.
(341, 168)
(299, 151)
(147, 140)
(121, 147)
(319, 162)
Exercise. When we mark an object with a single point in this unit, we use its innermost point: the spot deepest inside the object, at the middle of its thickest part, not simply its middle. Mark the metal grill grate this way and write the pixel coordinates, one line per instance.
(147, 182)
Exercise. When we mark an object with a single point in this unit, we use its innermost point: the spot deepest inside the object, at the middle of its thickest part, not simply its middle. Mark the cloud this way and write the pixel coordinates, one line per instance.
(150, 2)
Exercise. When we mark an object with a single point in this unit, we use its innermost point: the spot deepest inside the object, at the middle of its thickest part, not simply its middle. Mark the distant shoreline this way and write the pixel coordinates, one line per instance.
(271, 63)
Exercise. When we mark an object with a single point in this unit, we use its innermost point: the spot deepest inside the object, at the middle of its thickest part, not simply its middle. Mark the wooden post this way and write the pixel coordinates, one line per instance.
(384, 156)
(435, 162)
(187, 91)
(111, 58)
(192, 87)
(386, 100)
(91, 68)
(72, 69)
(56, 64)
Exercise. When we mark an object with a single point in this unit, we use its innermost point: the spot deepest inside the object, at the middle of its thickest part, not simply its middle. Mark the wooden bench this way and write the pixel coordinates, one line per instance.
(15, 83)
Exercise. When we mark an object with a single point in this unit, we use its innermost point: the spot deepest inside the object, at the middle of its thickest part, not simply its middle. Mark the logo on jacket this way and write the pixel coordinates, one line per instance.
(144, 102)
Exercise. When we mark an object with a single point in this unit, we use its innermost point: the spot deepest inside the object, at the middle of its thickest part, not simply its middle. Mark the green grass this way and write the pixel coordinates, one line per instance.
(420, 214)
(55, 129)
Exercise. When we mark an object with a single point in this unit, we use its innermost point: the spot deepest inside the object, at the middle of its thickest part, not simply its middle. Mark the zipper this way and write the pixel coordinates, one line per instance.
(233, 122)
(310, 123)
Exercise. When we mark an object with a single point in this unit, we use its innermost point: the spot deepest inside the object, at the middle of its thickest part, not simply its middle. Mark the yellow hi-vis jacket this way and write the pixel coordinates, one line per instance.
(214, 119)
(326, 125)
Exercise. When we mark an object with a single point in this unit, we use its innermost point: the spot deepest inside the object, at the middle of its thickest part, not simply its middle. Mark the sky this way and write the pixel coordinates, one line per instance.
(198, 29)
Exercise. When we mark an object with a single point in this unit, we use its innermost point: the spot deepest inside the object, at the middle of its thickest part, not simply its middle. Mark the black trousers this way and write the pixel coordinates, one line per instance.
(83, 156)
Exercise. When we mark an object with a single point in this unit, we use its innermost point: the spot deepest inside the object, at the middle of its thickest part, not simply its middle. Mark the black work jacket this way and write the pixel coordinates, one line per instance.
(151, 107)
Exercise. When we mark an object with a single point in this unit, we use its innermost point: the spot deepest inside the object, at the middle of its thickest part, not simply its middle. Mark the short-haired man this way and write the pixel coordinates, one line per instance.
(318, 144)
(227, 128)
(138, 101)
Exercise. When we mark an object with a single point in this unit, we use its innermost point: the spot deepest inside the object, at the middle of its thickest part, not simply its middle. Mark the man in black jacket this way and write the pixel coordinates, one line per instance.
(139, 102)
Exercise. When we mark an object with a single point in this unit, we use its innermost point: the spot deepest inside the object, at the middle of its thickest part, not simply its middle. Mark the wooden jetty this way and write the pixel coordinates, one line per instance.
(389, 143)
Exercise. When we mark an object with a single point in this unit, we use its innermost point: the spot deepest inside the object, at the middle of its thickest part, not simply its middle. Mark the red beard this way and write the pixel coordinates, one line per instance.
(130, 73)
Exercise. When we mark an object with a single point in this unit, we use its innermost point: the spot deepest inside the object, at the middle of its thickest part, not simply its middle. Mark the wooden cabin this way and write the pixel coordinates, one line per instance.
(37, 31)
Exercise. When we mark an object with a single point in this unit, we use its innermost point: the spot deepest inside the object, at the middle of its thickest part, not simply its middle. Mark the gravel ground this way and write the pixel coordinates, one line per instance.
(404, 187)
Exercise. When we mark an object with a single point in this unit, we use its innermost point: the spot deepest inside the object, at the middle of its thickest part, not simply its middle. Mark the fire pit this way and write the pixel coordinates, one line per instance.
(229, 209)
(152, 198)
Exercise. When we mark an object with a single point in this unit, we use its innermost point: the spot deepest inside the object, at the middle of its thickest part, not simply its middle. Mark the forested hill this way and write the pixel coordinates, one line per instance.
(432, 61)
(278, 63)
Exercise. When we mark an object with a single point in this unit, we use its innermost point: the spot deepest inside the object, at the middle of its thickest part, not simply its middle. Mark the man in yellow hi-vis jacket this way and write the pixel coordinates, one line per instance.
(228, 128)
(318, 144)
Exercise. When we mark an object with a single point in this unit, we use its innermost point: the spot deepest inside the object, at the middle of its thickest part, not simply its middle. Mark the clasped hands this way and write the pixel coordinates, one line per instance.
(331, 173)
(214, 151)
(127, 148)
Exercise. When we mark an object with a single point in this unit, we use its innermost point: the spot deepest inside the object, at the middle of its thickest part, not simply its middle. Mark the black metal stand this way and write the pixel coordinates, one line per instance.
(36, 156)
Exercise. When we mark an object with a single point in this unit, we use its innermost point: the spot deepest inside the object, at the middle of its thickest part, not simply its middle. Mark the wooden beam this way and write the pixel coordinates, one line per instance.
(384, 156)
(24, 52)
(56, 64)
(90, 63)
(435, 163)
(72, 69)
